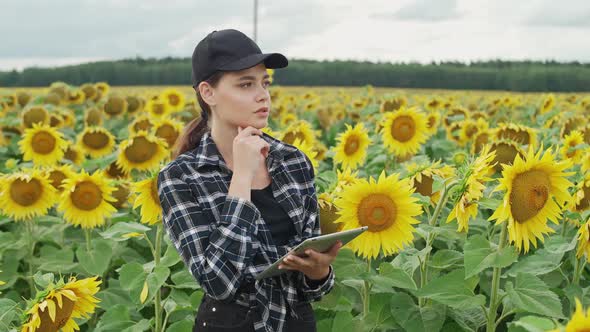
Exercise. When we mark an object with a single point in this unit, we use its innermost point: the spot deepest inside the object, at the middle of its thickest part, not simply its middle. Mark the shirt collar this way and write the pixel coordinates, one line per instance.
(207, 153)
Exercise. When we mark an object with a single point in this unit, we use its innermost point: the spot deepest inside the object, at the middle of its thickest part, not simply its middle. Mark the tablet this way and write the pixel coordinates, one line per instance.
(319, 243)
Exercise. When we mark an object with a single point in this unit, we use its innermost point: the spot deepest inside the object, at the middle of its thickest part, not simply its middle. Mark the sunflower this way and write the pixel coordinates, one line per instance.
(270, 73)
(586, 161)
(141, 151)
(580, 320)
(147, 197)
(122, 194)
(472, 187)
(506, 151)
(432, 122)
(85, 200)
(89, 90)
(308, 150)
(456, 114)
(96, 141)
(393, 104)
(158, 108)
(115, 105)
(287, 119)
(56, 307)
(328, 213)
(581, 201)
(422, 177)
(34, 114)
(174, 98)
(141, 122)
(168, 130)
(345, 178)
(517, 133)
(386, 206)
(102, 87)
(548, 103)
(536, 187)
(584, 241)
(43, 145)
(113, 171)
(75, 96)
(74, 154)
(480, 140)
(404, 131)
(572, 147)
(26, 194)
(468, 129)
(23, 98)
(134, 104)
(299, 129)
(57, 174)
(93, 117)
(351, 149)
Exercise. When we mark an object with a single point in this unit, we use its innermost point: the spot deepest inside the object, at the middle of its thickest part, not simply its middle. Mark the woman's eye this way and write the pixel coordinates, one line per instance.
(267, 83)
(244, 85)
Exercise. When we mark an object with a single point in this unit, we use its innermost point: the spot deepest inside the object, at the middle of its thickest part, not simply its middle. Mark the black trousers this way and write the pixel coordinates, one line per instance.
(217, 316)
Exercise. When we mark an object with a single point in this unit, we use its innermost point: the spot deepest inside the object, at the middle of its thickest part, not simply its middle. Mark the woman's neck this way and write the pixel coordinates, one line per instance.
(223, 136)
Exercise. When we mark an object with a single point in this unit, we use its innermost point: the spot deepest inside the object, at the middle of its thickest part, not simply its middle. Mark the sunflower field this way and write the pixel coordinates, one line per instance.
(477, 205)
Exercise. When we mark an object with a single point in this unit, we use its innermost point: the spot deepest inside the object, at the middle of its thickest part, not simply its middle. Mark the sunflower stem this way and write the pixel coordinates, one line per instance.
(491, 326)
(442, 201)
(157, 300)
(30, 229)
(366, 291)
(580, 264)
(88, 233)
(564, 228)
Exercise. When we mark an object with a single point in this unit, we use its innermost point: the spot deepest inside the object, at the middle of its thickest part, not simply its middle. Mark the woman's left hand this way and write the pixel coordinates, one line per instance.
(316, 265)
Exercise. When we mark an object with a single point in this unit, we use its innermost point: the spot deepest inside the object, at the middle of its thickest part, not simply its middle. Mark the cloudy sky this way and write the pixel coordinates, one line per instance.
(58, 32)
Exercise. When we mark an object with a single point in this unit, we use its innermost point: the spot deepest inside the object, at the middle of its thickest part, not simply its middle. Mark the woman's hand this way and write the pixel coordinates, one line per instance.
(316, 265)
(249, 150)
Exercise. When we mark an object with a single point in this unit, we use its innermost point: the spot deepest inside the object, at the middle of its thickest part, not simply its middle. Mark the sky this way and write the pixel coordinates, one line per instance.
(61, 32)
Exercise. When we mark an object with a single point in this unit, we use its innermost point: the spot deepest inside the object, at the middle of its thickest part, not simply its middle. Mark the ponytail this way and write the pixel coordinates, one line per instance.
(196, 128)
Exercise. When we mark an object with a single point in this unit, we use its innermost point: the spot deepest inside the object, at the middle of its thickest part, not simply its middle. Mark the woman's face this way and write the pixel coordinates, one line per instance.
(240, 94)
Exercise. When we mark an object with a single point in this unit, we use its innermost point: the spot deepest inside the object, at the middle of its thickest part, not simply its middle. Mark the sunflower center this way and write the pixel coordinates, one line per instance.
(505, 154)
(141, 150)
(158, 108)
(470, 130)
(424, 187)
(480, 141)
(352, 145)
(431, 121)
(71, 154)
(114, 105)
(34, 115)
(114, 171)
(530, 192)
(132, 104)
(168, 133)
(95, 141)
(377, 211)
(121, 194)
(142, 125)
(291, 136)
(87, 196)
(43, 142)
(585, 202)
(26, 193)
(93, 117)
(173, 99)
(62, 315)
(403, 128)
(56, 177)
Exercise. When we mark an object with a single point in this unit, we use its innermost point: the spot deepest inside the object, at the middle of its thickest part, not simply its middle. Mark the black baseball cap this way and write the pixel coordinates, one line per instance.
(230, 50)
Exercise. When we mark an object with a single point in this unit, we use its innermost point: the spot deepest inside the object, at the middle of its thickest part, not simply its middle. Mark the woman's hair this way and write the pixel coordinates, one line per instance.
(196, 128)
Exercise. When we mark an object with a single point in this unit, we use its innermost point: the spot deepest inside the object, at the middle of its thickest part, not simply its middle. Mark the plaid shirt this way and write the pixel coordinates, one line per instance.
(224, 240)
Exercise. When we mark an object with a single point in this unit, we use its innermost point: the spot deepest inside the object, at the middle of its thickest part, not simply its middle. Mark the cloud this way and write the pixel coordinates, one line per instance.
(423, 10)
(574, 13)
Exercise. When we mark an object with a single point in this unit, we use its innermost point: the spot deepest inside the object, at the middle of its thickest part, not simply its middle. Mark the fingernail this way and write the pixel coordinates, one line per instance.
(307, 252)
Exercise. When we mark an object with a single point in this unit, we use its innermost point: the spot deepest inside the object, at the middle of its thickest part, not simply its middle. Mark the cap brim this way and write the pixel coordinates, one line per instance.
(271, 60)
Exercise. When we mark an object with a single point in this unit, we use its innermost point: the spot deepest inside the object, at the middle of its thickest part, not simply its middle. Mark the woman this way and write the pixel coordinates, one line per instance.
(235, 199)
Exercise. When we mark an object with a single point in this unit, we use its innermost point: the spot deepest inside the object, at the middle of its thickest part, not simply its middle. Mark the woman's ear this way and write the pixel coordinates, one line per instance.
(207, 93)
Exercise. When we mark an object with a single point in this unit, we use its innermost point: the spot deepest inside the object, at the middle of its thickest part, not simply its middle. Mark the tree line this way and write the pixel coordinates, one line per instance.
(482, 75)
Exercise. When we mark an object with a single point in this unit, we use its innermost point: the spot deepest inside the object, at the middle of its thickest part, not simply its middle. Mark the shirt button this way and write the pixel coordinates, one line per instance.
(213, 309)
(204, 324)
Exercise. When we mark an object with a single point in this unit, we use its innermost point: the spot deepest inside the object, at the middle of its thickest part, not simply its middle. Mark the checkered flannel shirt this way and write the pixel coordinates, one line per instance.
(224, 240)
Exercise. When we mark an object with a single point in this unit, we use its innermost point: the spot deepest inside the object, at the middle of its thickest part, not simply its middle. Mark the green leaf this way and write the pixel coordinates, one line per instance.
(155, 280)
(489, 203)
(343, 322)
(531, 324)
(530, 294)
(9, 313)
(43, 280)
(469, 319)
(379, 316)
(556, 244)
(453, 290)
(55, 260)
(348, 264)
(132, 277)
(539, 263)
(118, 230)
(116, 318)
(480, 254)
(171, 257)
(97, 260)
(181, 326)
(395, 277)
(414, 319)
(142, 325)
(445, 258)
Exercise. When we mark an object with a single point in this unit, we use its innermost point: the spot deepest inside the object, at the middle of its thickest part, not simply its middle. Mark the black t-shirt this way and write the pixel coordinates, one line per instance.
(280, 225)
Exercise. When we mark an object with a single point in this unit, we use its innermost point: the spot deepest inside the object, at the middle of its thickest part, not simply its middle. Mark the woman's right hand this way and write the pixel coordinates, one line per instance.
(249, 151)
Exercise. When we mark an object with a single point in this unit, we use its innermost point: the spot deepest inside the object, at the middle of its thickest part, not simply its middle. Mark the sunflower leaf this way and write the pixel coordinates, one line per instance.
(539, 263)
(96, 261)
(531, 324)
(395, 277)
(531, 294)
(117, 231)
(480, 255)
(415, 319)
(453, 290)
